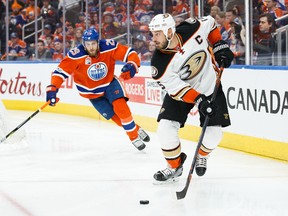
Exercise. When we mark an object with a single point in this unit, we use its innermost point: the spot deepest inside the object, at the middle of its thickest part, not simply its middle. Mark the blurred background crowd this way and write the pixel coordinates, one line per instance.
(45, 30)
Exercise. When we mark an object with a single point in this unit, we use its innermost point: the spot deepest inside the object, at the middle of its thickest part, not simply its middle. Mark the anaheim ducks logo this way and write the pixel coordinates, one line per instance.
(193, 65)
(154, 71)
(165, 15)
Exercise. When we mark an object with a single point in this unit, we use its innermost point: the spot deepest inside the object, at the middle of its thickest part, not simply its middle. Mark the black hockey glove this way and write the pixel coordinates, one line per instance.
(51, 92)
(205, 106)
(223, 55)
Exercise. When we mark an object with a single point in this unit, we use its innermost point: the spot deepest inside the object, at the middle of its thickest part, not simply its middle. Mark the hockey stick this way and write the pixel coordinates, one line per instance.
(24, 122)
(182, 194)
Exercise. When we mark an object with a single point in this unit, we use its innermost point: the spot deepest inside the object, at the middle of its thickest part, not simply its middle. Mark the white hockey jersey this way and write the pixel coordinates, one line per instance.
(191, 65)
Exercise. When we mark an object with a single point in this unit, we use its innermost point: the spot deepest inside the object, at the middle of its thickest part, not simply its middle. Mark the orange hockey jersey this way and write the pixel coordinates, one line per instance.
(92, 75)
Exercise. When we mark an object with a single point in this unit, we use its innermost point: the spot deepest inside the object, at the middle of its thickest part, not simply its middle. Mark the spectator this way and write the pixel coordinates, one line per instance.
(48, 13)
(81, 21)
(78, 37)
(143, 11)
(58, 31)
(70, 33)
(11, 28)
(140, 47)
(134, 22)
(236, 45)
(42, 52)
(178, 20)
(264, 42)
(31, 11)
(214, 11)
(58, 54)
(231, 15)
(16, 17)
(110, 27)
(95, 21)
(92, 8)
(144, 30)
(46, 31)
(276, 11)
(152, 47)
(221, 23)
(49, 43)
(17, 48)
(68, 45)
(181, 8)
(148, 55)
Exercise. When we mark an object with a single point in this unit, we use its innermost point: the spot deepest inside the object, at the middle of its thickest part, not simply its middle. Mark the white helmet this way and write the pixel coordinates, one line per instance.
(162, 22)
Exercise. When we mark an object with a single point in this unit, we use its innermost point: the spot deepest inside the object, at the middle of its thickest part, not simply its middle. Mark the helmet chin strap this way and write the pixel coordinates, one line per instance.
(169, 40)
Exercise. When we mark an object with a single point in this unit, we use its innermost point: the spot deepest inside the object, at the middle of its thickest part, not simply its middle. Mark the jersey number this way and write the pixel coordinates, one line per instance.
(110, 42)
(74, 51)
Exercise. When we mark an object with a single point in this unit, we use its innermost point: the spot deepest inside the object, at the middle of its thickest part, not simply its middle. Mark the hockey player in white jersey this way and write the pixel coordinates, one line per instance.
(184, 65)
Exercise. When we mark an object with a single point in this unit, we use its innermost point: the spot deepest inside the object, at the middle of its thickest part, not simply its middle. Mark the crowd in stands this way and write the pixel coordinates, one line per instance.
(51, 44)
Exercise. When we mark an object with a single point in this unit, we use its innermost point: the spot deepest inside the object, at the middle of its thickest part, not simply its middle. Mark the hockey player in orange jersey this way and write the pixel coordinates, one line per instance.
(92, 65)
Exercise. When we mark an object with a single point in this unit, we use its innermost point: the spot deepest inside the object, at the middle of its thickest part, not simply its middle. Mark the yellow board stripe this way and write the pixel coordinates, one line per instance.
(253, 145)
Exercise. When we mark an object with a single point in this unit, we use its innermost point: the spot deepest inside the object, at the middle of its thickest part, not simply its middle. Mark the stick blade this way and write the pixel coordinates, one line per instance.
(181, 194)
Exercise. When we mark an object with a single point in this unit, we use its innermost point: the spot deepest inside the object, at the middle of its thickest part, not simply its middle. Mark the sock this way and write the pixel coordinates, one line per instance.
(203, 151)
(123, 112)
(172, 156)
(117, 120)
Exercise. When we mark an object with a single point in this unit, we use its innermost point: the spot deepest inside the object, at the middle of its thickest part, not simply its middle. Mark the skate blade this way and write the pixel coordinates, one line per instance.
(169, 181)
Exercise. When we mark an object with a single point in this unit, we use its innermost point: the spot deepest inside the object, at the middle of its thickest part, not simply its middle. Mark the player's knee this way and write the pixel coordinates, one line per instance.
(168, 133)
(212, 137)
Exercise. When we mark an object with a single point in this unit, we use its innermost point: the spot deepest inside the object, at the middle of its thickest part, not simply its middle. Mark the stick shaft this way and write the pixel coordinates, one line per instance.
(182, 194)
(24, 122)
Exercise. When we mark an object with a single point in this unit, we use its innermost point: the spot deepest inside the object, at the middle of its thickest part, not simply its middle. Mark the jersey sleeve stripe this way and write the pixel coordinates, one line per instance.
(97, 90)
(126, 55)
(59, 72)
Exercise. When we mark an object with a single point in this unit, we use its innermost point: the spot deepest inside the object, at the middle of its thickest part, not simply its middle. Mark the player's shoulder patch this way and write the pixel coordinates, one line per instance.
(107, 44)
(154, 72)
(77, 52)
(191, 20)
(206, 18)
(159, 63)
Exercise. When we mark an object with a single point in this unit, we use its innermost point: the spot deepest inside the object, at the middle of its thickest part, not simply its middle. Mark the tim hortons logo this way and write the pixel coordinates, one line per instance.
(19, 85)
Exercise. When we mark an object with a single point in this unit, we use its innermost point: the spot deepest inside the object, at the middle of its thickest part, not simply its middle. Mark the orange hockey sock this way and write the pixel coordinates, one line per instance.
(123, 112)
(174, 163)
(117, 120)
(172, 156)
(203, 151)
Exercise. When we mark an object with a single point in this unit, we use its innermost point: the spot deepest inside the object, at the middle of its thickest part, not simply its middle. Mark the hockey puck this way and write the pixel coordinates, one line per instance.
(144, 202)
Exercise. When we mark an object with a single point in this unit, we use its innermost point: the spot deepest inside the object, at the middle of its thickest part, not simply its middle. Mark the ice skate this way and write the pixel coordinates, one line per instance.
(143, 135)
(201, 165)
(170, 174)
(138, 143)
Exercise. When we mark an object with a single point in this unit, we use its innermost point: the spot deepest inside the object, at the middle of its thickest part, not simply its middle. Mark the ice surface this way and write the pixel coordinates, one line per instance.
(83, 167)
